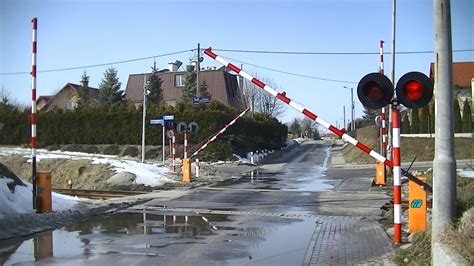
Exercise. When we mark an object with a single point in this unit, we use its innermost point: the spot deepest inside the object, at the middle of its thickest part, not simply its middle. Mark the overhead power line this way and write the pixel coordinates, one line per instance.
(102, 64)
(329, 53)
(291, 73)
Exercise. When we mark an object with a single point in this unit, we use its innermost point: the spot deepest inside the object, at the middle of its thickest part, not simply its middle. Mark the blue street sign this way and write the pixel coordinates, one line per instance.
(157, 121)
(201, 99)
(168, 117)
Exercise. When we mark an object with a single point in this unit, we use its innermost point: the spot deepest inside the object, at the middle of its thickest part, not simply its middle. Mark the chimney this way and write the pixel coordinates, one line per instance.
(172, 67)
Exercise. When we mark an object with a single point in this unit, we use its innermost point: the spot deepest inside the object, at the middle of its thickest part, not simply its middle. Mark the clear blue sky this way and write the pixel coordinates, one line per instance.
(76, 33)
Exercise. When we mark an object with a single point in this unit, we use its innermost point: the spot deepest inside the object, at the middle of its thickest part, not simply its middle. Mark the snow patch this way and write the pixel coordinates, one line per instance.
(21, 200)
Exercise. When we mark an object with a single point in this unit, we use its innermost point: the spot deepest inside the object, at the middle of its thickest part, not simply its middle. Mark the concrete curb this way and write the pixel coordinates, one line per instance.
(445, 255)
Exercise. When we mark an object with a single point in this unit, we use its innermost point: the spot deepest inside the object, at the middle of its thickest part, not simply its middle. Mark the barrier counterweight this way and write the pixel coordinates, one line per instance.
(34, 23)
(282, 97)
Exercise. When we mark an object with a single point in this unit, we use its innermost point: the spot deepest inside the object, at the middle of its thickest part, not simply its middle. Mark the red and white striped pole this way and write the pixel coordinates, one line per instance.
(214, 137)
(397, 191)
(173, 140)
(383, 132)
(185, 148)
(34, 23)
(282, 97)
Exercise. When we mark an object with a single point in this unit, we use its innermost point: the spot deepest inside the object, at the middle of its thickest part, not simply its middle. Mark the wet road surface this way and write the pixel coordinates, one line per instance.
(304, 213)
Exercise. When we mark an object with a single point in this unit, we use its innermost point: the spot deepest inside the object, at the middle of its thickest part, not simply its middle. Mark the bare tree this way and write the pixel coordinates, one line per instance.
(261, 101)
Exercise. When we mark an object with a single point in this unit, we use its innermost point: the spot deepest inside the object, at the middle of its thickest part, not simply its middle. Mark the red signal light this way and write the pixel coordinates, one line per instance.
(413, 90)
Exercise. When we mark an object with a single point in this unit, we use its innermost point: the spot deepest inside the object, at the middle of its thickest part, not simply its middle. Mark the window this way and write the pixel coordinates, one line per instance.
(179, 80)
(71, 105)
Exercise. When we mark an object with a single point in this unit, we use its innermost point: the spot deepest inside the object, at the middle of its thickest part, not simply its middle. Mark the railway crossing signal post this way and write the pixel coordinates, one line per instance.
(413, 90)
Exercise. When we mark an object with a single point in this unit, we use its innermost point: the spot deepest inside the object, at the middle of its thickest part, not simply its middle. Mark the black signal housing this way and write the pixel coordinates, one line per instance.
(414, 90)
(375, 91)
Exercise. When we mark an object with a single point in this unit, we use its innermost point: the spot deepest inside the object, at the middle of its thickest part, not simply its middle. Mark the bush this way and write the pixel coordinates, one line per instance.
(54, 147)
(152, 153)
(130, 151)
(91, 149)
(218, 150)
(74, 148)
(111, 150)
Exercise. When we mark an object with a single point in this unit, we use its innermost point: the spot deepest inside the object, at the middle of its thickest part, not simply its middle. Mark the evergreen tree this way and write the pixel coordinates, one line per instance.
(189, 89)
(405, 124)
(369, 115)
(415, 121)
(466, 117)
(295, 127)
(155, 95)
(109, 89)
(457, 117)
(203, 89)
(84, 91)
(424, 119)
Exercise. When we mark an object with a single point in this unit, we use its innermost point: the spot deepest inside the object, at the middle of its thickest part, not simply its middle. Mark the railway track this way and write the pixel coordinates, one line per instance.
(97, 194)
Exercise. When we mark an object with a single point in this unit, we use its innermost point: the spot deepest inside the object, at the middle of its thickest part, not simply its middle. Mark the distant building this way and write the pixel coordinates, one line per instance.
(66, 98)
(463, 75)
(221, 85)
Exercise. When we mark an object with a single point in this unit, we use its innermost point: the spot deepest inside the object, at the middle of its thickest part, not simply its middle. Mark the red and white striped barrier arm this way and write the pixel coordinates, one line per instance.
(34, 23)
(214, 137)
(383, 131)
(397, 191)
(282, 97)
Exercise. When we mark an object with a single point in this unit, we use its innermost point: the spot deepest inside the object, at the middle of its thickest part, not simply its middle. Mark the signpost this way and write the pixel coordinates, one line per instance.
(166, 118)
(162, 121)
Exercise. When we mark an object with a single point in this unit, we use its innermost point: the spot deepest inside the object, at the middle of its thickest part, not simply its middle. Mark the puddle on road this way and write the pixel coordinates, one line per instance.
(311, 178)
(152, 235)
(83, 238)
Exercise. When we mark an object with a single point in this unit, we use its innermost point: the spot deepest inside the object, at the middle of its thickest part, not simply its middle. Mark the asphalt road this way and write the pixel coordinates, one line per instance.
(301, 211)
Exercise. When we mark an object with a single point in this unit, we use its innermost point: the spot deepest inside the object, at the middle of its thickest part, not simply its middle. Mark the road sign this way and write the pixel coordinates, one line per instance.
(378, 121)
(168, 117)
(157, 121)
(169, 133)
(182, 127)
(201, 99)
(193, 127)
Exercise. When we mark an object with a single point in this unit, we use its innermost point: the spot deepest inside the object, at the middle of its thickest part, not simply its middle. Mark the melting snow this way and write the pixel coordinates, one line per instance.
(20, 201)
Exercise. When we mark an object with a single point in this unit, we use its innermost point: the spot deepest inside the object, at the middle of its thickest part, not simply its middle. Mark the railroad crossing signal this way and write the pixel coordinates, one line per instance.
(414, 90)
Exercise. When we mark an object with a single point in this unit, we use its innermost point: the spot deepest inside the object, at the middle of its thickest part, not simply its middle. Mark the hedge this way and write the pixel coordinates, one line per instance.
(122, 125)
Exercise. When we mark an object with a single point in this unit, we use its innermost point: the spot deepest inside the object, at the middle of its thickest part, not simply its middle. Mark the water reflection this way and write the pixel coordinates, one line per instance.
(87, 238)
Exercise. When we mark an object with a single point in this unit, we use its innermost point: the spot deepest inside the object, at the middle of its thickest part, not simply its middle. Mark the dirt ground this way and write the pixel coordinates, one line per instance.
(82, 173)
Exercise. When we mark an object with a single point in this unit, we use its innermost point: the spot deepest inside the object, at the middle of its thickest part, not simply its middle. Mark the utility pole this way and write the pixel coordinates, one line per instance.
(353, 109)
(198, 68)
(389, 129)
(444, 164)
(144, 117)
(344, 116)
